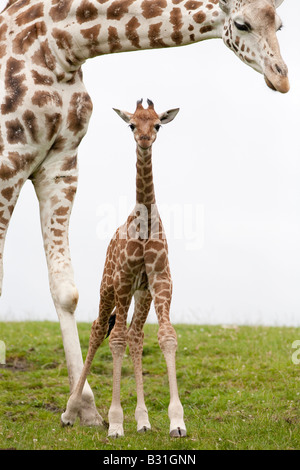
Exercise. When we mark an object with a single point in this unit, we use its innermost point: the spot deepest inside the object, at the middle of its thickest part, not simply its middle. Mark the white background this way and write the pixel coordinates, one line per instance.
(232, 155)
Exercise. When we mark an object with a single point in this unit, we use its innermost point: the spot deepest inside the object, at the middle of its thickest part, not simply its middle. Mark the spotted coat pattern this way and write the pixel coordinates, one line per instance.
(136, 265)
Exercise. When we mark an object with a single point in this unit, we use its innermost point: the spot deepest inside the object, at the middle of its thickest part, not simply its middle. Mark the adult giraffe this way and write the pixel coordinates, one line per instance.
(45, 108)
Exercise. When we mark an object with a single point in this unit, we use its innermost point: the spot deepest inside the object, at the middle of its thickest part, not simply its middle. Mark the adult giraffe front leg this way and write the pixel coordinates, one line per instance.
(55, 184)
(11, 183)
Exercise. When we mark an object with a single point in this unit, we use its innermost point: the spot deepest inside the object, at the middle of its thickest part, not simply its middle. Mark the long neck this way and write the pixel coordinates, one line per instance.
(94, 27)
(144, 178)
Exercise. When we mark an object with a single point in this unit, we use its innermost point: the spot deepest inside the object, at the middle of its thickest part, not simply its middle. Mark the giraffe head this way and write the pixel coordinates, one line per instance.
(250, 29)
(145, 122)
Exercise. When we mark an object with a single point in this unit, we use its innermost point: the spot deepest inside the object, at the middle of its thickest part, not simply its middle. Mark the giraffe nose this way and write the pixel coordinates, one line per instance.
(281, 69)
(145, 137)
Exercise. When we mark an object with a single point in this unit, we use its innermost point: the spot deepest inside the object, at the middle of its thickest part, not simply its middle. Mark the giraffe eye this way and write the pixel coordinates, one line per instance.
(242, 26)
(132, 126)
(157, 127)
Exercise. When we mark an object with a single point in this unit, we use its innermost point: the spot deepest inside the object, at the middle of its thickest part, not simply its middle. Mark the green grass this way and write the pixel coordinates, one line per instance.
(239, 389)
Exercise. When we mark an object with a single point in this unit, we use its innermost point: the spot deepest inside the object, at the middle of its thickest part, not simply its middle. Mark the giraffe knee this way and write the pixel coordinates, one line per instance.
(118, 341)
(66, 296)
(167, 338)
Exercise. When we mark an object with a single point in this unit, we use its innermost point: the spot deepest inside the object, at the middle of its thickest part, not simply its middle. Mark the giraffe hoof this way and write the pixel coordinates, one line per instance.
(144, 429)
(65, 422)
(178, 432)
(116, 431)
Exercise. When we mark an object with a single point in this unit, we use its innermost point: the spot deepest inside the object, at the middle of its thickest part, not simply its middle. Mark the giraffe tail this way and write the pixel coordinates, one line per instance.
(111, 323)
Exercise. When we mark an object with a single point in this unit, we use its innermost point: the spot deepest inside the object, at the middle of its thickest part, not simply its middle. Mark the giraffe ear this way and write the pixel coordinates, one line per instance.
(168, 116)
(278, 3)
(123, 114)
(224, 5)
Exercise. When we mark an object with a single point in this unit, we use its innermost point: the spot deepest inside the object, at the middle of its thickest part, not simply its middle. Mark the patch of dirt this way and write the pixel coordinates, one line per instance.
(16, 364)
(51, 407)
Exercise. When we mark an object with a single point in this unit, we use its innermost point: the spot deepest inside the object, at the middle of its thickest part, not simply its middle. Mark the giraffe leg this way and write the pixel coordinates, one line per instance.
(161, 290)
(55, 190)
(9, 193)
(117, 344)
(98, 332)
(135, 337)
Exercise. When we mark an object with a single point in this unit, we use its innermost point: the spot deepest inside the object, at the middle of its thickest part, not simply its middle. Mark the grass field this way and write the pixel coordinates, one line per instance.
(239, 388)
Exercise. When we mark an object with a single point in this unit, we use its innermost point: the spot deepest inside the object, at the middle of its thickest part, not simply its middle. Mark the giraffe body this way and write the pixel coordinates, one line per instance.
(136, 266)
(45, 108)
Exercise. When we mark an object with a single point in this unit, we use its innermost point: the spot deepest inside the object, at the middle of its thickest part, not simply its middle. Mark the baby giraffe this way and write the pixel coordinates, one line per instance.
(136, 265)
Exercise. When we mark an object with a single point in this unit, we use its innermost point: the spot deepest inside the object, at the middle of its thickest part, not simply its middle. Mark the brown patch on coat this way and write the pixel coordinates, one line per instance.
(30, 122)
(24, 40)
(61, 211)
(150, 257)
(118, 9)
(79, 112)
(131, 32)
(33, 13)
(40, 79)
(155, 245)
(134, 248)
(16, 7)
(15, 132)
(43, 98)
(3, 30)
(86, 12)
(69, 163)
(1, 143)
(113, 40)
(3, 220)
(17, 163)
(64, 42)
(2, 51)
(192, 5)
(154, 36)
(44, 56)
(59, 144)
(7, 193)
(61, 221)
(92, 35)
(176, 21)
(70, 192)
(206, 29)
(199, 17)
(60, 9)
(53, 122)
(14, 85)
(153, 8)
(57, 232)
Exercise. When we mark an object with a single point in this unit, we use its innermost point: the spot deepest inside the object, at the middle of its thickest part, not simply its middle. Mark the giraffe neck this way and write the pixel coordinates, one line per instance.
(144, 178)
(87, 28)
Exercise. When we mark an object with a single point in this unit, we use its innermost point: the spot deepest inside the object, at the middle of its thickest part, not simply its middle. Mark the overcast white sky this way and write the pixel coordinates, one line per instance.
(227, 181)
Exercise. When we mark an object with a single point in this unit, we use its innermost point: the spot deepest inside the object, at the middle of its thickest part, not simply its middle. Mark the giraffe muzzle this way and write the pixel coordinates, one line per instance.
(276, 77)
(282, 85)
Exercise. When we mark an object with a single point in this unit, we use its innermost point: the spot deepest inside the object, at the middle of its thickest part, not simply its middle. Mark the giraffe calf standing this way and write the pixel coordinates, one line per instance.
(136, 265)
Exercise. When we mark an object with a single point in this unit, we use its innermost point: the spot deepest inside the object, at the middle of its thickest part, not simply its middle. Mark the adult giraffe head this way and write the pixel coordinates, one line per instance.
(250, 29)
